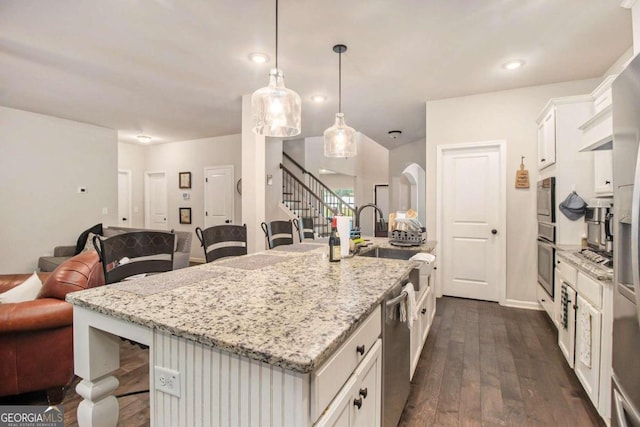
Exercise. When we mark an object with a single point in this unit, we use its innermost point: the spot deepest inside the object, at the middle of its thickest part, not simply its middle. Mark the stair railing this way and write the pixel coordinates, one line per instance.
(298, 196)
(325, 193)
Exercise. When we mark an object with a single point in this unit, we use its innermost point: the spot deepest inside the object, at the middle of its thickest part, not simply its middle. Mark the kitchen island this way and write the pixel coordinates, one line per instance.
(236, 341)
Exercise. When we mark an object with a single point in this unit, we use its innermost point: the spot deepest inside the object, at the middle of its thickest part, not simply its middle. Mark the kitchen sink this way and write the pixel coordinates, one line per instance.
(389, 253)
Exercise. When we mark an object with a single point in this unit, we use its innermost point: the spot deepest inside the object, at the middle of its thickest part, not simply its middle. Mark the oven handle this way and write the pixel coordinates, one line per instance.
(397, 300)
(545, 243)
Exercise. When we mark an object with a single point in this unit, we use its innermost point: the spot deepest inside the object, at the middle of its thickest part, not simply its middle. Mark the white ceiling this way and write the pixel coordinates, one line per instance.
(176, 70)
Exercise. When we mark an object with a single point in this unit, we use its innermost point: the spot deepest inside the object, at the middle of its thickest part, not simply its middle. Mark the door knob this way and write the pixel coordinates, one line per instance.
(228, 221)
(494, 231)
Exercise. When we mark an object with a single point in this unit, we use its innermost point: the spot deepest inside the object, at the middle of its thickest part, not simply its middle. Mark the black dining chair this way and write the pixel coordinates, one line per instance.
(278, 233)
(128, 254)
(304, 226)
(222, 241)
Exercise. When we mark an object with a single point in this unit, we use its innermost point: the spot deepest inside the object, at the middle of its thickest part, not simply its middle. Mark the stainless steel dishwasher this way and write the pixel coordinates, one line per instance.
(395, 357)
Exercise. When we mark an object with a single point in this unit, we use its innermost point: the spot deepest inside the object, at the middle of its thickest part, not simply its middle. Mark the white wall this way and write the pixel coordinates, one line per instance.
(338, 181)
(133, 157)
(193, 156)
(509, 115)
(273, 193)
(43, 160)
(372, 168)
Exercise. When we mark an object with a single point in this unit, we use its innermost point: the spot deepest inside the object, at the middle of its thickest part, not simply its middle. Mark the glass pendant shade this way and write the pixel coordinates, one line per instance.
(340, 139)
(276, 110)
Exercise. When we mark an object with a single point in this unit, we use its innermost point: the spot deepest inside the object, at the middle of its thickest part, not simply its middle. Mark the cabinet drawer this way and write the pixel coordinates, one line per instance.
(590, 290)
(332, 375)
(569, 273)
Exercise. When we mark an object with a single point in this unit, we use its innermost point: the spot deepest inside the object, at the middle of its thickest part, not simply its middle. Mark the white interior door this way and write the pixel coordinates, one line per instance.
(219, 188)
(155, 200)
(471, 194)
(124, 198)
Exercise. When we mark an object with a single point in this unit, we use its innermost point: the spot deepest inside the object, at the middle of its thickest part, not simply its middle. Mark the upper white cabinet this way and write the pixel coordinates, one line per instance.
(603, 173)
(547, 137)
(597, 136)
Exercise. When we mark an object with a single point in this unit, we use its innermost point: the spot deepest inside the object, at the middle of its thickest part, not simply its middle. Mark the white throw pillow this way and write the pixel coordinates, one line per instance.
(26, 291)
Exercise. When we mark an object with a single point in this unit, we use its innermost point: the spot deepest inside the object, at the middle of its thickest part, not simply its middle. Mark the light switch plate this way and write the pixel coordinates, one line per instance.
(167, 380)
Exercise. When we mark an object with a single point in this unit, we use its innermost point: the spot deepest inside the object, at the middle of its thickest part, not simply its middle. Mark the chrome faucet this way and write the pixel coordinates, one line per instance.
(371, 205)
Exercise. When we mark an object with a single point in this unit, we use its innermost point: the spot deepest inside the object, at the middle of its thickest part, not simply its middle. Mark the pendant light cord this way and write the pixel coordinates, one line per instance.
(339, 82)
(276, 34)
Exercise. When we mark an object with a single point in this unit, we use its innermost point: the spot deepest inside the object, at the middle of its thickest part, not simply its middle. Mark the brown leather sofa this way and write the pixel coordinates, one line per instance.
(36, 337)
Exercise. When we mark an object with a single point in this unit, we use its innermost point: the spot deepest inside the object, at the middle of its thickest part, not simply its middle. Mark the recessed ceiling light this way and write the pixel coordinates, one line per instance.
(259, 58)
(318, 98)
(144, 139)
(513, 65)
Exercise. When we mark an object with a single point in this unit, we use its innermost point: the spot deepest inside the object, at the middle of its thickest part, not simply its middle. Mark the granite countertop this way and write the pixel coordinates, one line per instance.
(289, 307)
(595, 271)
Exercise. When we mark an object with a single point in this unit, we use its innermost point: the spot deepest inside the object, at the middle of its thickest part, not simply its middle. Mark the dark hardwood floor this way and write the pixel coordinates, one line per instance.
(488, 365)
(482, 365)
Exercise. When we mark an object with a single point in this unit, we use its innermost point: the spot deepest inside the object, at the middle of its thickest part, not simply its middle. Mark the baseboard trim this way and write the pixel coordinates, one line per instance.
(528, 305)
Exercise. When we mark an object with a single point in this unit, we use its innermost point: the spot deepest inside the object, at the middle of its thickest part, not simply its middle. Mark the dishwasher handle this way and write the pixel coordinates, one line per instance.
(397, 300)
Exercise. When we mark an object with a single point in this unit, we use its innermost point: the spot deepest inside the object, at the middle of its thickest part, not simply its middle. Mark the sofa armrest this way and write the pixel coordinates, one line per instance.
(45, 313)
(10, 281)
(60, 251)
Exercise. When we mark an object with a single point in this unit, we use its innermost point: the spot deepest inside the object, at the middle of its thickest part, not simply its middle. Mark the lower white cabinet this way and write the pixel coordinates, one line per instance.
(359, 402)
(567, 318)
(426, 305)
(588, 335)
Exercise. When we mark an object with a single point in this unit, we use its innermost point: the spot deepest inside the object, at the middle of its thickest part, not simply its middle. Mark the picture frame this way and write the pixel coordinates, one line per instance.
(185, 215)
(184, 179)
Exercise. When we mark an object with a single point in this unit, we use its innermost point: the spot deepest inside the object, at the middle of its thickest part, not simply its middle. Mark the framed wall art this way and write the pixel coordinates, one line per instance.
(185, 215)
(184, 179)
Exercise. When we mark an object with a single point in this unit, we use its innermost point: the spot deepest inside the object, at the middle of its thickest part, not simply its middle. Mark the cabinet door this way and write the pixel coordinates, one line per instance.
(366, 406)
(339, 412)
(567, 325)
(587, 366)
(603, 172)
(421, 324)
(547, 140)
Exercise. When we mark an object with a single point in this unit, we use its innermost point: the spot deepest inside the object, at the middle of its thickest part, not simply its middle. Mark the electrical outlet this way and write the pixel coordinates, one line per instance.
(167, 380)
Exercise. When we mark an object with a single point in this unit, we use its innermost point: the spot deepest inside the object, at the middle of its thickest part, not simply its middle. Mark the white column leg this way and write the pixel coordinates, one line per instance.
(99, 408)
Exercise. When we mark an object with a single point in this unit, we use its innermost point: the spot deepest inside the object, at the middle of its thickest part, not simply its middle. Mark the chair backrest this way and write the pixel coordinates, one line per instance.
(147, 252)
(223, 240)
(305, 228)
(278, 233)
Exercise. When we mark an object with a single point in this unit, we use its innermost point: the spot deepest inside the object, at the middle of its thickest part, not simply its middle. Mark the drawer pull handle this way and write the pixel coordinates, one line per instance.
(363, 392)
(357, 402)
(360, 350)
(607, 182)
(424, 311)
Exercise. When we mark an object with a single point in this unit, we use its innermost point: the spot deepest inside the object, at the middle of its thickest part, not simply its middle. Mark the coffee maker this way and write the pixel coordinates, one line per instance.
(599, 220)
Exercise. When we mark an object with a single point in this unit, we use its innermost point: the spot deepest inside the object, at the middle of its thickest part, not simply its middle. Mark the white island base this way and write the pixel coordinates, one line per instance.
(214, 387)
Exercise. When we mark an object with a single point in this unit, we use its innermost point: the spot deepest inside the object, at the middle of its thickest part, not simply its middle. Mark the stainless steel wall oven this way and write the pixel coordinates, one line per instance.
(546, 233)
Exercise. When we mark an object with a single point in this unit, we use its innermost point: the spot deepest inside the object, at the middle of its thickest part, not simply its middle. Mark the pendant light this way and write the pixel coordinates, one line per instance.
(276, 110)
(340, 139)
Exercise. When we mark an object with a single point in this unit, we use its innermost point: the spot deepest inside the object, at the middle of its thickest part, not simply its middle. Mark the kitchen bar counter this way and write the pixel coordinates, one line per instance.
(280, 313)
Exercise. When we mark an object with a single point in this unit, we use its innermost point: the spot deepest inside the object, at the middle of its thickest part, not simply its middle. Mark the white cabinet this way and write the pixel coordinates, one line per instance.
(426, 305)
(603, 173)
(567, 325)
(359, 402)
(547, 138)
(588, 336)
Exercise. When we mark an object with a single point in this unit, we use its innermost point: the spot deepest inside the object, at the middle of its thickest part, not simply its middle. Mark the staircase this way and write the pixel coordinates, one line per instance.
(312, 199)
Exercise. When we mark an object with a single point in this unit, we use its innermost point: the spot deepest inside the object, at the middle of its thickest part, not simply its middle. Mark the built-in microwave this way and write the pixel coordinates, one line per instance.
(546, 200)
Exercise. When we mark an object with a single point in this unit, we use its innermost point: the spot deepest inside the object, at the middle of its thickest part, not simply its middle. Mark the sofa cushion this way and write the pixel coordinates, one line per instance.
(82, 239)
(26, 291)
(50, 263)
